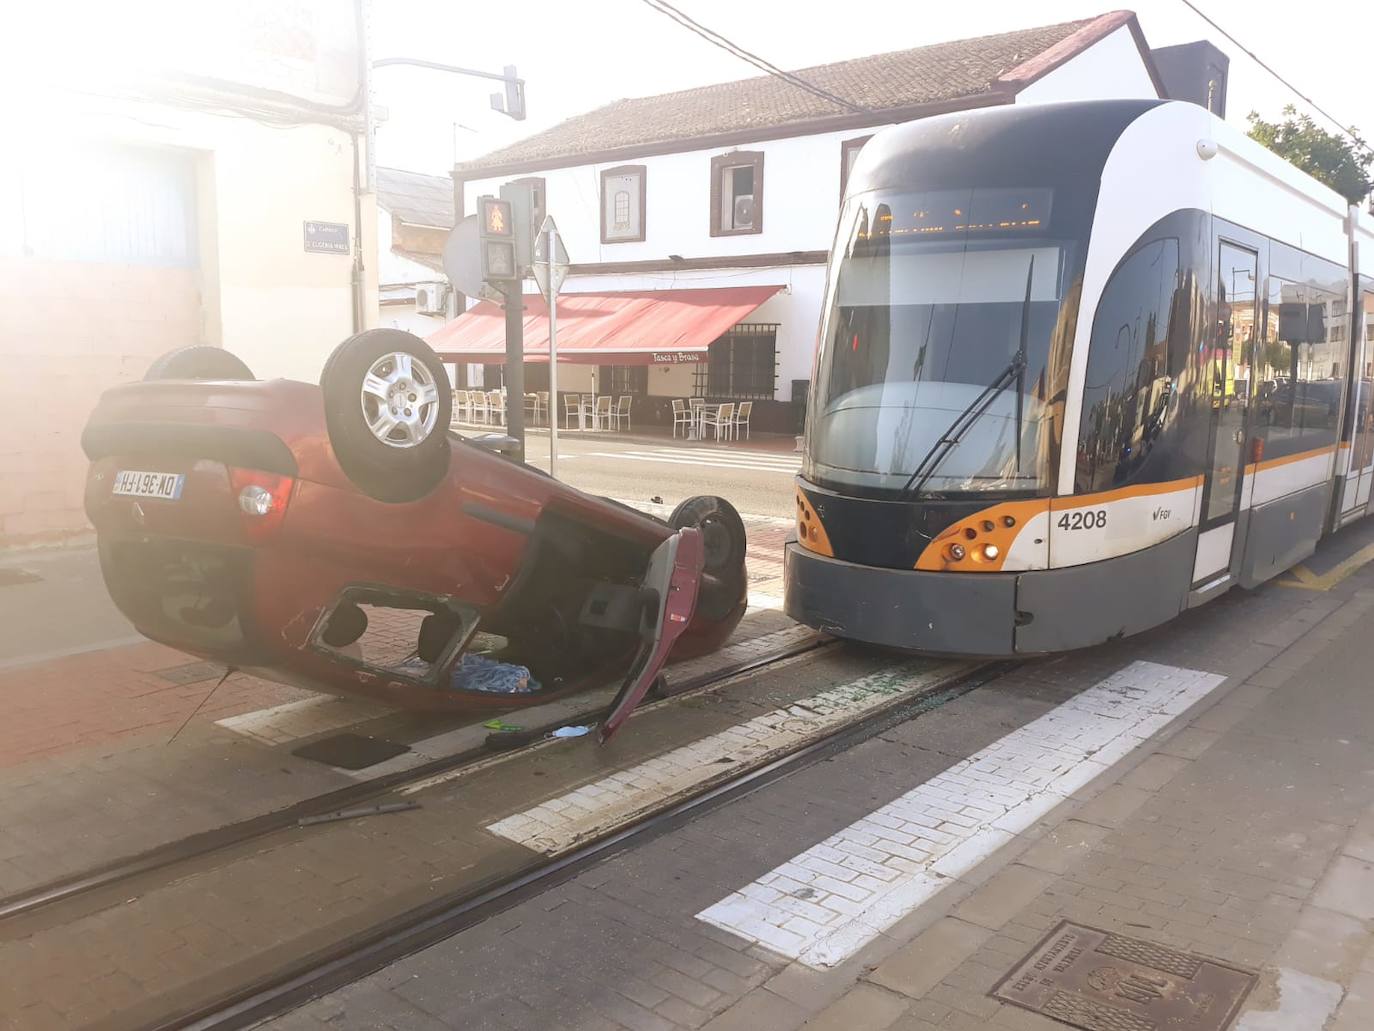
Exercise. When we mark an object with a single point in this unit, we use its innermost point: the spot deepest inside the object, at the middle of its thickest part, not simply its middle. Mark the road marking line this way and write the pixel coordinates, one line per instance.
(596, 808)
(1310, 581)
(306, 717)
(705, 462)
(734, 453)
(823, 905)
(662, 511)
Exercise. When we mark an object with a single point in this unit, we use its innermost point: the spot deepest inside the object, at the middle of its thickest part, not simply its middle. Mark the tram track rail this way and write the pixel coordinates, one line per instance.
(346, 801)
(345, 962)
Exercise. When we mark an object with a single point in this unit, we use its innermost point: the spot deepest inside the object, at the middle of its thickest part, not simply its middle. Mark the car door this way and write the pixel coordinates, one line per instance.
(670, 586)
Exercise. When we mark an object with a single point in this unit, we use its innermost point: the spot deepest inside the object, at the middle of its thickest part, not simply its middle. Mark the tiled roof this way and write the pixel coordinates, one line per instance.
(901, 79)
(422, 200)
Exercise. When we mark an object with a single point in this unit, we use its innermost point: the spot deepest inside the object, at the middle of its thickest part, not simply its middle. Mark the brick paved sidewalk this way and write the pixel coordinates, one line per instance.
(1245, 835)
(1243, 831)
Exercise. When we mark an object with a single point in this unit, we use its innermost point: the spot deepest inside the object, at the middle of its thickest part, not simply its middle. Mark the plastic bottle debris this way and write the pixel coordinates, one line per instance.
(570, 732)
(502, 727)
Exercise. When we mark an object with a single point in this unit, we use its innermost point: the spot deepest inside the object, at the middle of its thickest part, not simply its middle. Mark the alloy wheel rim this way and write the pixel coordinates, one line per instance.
(400, 400)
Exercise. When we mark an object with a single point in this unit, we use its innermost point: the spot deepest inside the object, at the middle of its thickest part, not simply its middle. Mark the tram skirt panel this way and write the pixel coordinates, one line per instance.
(1282, 533)
(1080, 606)
(957, 613)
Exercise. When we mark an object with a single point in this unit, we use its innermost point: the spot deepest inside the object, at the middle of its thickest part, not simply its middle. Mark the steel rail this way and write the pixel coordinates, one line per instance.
(243, 831)
(341, 964)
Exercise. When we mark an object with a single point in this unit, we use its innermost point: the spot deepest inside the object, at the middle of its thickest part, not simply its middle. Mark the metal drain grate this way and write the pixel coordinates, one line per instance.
(1101, 981)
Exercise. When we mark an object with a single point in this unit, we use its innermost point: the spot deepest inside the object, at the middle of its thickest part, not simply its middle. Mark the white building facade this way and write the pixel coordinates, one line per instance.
(671, 193)
(206, 204)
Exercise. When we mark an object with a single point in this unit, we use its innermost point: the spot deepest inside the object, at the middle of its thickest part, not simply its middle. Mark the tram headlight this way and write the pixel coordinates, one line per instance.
(990, 551)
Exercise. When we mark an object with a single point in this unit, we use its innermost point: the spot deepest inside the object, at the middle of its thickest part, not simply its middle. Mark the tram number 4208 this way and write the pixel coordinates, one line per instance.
(1092, 519)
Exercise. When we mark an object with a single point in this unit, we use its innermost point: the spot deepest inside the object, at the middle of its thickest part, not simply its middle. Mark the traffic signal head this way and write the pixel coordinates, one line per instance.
(496, 217)
(496, 238)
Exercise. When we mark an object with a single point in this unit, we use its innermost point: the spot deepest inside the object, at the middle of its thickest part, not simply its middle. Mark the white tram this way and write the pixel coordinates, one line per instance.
(1082, 366)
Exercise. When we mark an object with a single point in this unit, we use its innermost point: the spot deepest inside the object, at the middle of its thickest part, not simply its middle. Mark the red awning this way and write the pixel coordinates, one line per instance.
(634, 327)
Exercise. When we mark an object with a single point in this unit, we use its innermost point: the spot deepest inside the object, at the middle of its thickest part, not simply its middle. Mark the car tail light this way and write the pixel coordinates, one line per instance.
(262, 499)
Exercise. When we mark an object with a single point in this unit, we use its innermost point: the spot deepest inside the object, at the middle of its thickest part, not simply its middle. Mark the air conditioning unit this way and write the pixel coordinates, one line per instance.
(431, 298)
(744, 211)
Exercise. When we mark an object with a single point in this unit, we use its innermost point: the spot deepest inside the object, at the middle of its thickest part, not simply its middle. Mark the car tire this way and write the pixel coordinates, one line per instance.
(198, 362)
(723, 581)
(367, 382)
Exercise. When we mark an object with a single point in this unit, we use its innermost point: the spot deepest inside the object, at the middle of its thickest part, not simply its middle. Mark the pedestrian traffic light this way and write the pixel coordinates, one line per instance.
(496, 238)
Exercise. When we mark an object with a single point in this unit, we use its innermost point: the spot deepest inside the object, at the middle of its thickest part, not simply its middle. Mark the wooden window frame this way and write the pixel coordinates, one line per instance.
(846, 148)
(642, 172)
(737, 159)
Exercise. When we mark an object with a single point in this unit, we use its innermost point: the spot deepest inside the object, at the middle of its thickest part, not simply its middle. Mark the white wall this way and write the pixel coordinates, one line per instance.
(1109, 69)
(404, 316)
(801, 201)
(263, 295)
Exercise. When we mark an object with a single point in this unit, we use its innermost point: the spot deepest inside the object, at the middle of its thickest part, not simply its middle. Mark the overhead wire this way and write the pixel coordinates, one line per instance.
(716, 39)
(1269, 68)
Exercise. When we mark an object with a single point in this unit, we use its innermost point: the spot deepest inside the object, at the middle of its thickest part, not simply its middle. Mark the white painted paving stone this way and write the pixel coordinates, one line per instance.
(594, 809)
(823, 905)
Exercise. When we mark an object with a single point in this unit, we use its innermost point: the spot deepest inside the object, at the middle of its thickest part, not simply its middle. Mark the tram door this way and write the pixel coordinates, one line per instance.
(1362, 436)
(1234, 335)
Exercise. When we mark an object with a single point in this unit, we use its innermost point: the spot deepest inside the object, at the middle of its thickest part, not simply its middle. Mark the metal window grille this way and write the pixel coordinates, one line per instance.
(623, 379)
(742, 364)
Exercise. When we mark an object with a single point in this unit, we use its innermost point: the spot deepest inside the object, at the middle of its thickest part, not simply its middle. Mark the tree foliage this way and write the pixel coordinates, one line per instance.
(1341, 162)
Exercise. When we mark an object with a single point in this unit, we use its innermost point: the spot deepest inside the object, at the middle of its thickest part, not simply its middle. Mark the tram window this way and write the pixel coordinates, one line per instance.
(1130, 381)
(932, 298)
(1298, 388)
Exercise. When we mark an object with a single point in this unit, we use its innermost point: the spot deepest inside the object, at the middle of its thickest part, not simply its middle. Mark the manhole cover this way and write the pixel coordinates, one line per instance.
(12, 575)
(1101, 981)
(191, 672)
(350, 751)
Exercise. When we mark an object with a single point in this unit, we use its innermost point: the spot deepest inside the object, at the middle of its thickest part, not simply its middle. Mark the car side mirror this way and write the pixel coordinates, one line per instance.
(498, 443)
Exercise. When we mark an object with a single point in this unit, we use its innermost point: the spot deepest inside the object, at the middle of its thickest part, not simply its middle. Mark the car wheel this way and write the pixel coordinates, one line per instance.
(723, 538)
(198, 362)
(387, 404)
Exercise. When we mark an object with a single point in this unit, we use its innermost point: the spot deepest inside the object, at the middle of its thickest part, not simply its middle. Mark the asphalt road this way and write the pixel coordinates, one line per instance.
(755, 476)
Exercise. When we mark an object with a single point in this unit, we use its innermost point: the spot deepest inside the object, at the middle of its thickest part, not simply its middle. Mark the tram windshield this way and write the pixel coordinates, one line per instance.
(935, 298)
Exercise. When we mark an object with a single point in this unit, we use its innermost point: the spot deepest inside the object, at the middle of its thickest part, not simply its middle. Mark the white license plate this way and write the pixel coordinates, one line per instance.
(137, 484)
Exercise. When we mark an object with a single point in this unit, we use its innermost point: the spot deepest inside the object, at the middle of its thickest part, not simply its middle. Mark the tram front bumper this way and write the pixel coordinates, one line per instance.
(949, 613)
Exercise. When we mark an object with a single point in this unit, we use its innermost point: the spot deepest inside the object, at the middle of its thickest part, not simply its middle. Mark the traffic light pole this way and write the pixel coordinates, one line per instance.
(515, 365)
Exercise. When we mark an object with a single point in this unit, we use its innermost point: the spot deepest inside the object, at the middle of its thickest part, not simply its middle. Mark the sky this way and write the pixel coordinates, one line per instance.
(576, 55)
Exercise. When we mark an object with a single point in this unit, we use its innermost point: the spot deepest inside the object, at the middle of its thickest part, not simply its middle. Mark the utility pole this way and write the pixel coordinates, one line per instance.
(515, 365)
(551, 233)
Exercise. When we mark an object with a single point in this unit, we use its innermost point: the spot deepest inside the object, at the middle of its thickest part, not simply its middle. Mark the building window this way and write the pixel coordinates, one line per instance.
(849, 152)
(737, 193)
(742, 364)
(622, 204)
(623, 379)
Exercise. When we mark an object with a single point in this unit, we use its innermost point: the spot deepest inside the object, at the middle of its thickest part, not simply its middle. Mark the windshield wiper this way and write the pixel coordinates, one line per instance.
(954, 433)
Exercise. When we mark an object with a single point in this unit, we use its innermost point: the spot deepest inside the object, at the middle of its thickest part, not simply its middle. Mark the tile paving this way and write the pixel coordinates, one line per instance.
(1241, 830)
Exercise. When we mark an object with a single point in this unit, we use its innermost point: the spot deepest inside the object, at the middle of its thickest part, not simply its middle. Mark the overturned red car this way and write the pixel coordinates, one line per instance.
(342, 538)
